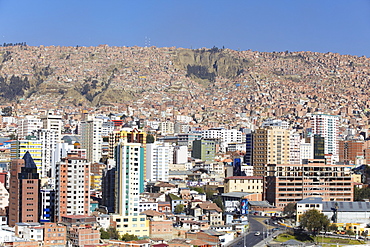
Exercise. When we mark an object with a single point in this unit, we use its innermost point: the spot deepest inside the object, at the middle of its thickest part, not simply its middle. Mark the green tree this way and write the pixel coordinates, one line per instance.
(104, 234)
(290, 210)
(314, 221)
(113, 233)
(110, 233)
(179, 208)
(333, 228)
(129, 237)
(350, 232)
(360, 194)
(209, 194)
(200, 190)
(219, 203)
(150, 138)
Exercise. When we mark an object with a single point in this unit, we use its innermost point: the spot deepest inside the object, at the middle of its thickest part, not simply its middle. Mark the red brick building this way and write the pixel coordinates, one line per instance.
(24, 193)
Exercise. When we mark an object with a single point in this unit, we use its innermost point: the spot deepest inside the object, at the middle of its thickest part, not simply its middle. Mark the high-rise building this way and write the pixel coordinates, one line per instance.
(26, 125)
(49, 141)
(327, 126)
(72, 187)
(307, 148)
(158, 158)
(128, 135)
(295, 148)
(24, 193)
(350, 150)
(129, 184)
(20, 147)
(47, 197)
(53, 122)
(270, 146)
(92, 139)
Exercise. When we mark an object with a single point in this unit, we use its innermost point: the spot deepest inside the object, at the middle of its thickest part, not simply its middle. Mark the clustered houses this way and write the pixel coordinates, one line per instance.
(167, 187)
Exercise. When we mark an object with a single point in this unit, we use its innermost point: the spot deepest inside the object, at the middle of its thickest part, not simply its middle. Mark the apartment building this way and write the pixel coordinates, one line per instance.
(270, 146)
(290, 183)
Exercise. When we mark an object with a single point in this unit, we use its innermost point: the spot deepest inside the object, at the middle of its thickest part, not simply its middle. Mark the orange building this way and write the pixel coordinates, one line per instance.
(349, 150)
(55, 235)
(24, 191)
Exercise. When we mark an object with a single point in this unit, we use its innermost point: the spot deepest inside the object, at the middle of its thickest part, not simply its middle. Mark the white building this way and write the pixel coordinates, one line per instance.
(26, 125)
(294, 148)
(306, 148)
(166, 127)
(224, 135)
(275, 123)
(327, 126)
(49, 141)
(180, 154)
(4, 197)
(158, 159)
(53, 122)
(148, 206)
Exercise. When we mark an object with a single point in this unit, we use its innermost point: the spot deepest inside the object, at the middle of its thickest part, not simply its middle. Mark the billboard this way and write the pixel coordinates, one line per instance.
(244, 206)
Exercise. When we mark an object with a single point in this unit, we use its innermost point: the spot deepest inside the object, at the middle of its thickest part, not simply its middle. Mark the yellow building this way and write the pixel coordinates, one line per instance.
(270, 146)
(136, 225)
(34, 147)
(250, 184)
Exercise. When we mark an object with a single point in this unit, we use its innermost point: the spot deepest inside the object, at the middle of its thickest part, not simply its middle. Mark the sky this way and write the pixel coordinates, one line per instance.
(340, 26)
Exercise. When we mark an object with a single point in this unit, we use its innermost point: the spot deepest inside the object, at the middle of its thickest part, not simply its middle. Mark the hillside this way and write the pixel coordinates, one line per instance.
(253, 82)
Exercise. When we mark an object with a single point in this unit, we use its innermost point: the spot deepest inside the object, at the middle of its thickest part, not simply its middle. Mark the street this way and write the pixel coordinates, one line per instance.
(250, 239)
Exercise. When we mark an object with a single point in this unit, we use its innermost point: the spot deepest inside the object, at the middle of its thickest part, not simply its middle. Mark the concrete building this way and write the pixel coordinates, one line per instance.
(180, 155)
(158, 158)
(270, 146)
(47, 199)
(129, 184)
(26, 125)
(53, 122)
(288, 183)
(72, 190)
(226, 136)
(92, 139)
(55, 235)
(20, 147)
(166, 128)
(204, 150)
(24, 191)
(49, 140)
(351, 150)
(327, 126)
(252, 184)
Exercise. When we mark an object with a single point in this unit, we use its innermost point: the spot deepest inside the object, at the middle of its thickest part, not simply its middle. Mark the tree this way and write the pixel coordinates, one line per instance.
(179, 208)
(333, 228)
(314, 221)
(129, 237)
(364, 234)
(200, 190)
(113, 233)
(290, 209)
(150, 138)
(350, 232)
(110, 233)
(104, 234)
(219, 203)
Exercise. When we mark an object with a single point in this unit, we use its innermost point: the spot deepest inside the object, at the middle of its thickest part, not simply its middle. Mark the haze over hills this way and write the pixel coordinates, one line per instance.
(216, 80)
